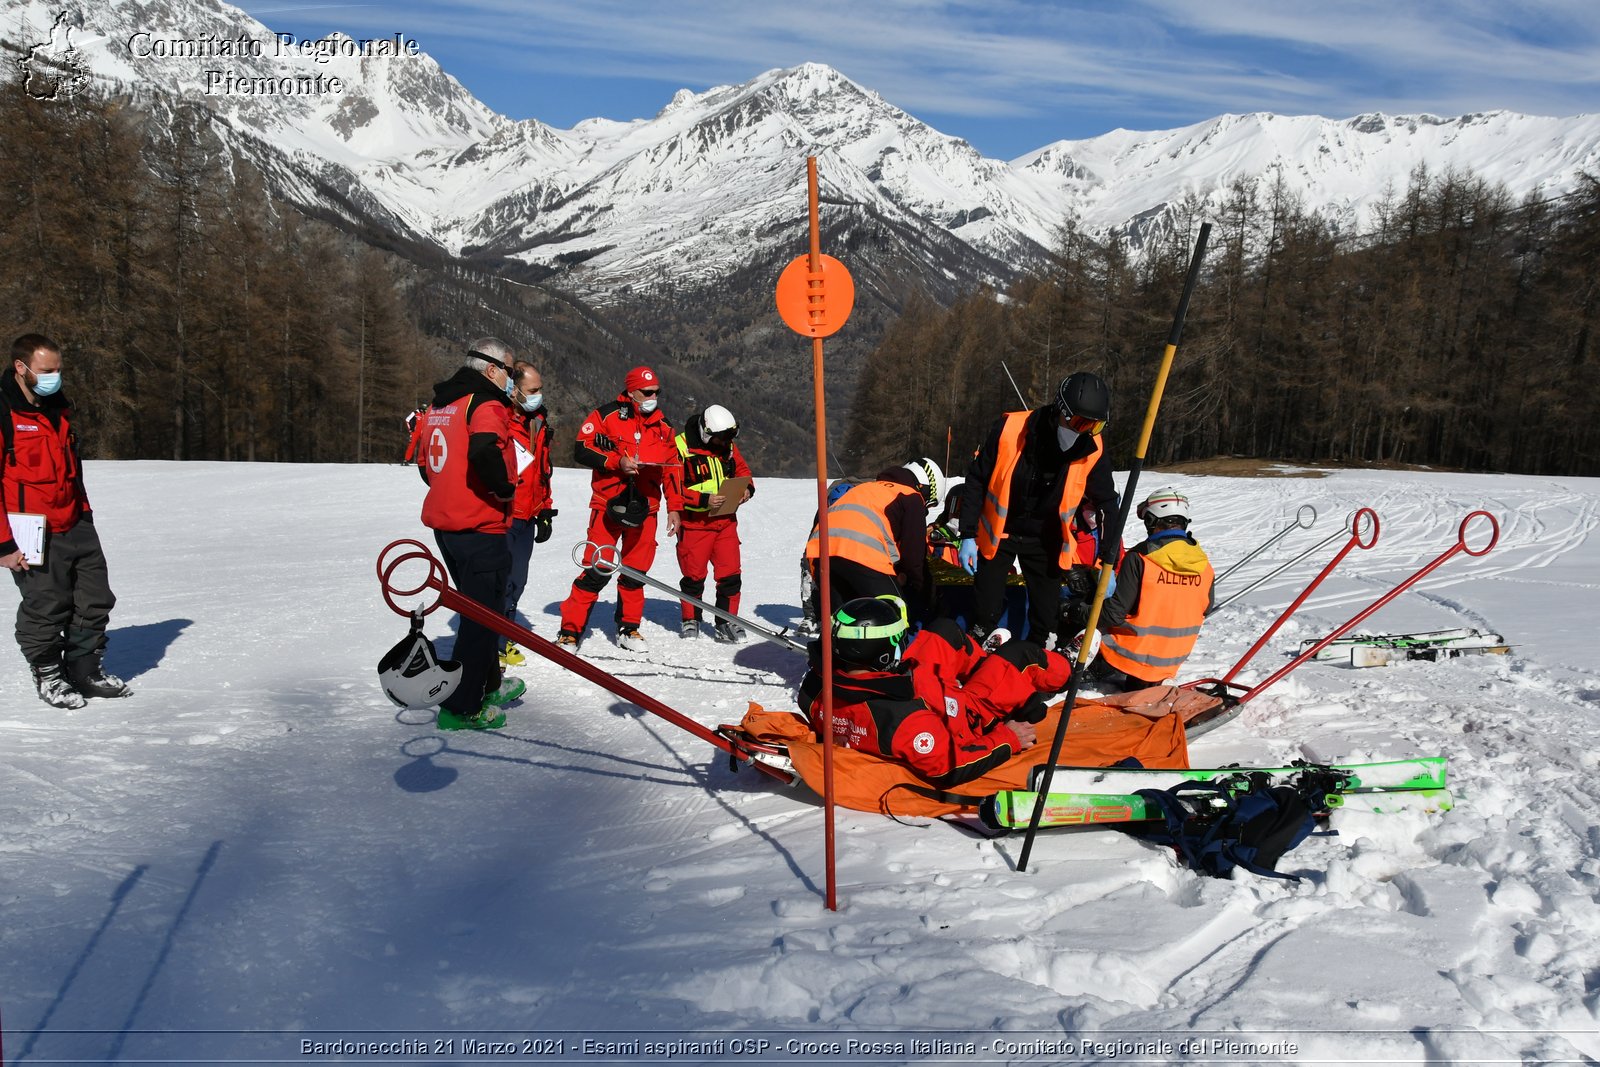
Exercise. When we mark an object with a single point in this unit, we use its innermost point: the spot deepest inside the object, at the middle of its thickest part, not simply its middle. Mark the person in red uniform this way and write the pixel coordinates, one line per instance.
(466, 459)
(630, 448)
(532, 517)
(709, 542)
(937, 703)
(66, 599)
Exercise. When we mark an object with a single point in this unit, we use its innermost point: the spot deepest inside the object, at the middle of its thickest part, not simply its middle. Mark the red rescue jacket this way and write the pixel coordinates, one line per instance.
(942, 713)
(462, 496)
(532, 432)
(615, 430)
(42, 472)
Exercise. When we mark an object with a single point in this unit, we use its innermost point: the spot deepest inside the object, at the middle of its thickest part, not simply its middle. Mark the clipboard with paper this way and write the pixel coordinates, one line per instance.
(732, 492)
(29, 531)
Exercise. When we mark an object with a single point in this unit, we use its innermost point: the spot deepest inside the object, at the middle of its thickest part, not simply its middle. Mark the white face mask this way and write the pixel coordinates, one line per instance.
(647, 405)
(532, 401)
(1066, 438)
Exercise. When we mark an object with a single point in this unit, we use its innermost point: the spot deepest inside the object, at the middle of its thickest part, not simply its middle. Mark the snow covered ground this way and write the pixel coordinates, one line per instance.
(257, 857)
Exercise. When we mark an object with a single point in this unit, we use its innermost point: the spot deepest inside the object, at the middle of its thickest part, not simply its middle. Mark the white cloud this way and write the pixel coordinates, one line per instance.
(1007, 58)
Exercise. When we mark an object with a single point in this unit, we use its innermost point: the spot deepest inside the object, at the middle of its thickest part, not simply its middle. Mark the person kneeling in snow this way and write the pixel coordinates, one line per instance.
(938, 703)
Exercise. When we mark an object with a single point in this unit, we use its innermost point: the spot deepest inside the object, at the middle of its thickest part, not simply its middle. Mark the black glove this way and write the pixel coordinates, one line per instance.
(1032, 710)
(1075, 617)
(1081, 582)
(543, 525)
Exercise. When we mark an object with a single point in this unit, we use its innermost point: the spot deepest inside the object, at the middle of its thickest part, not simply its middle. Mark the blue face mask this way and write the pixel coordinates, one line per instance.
(532, 401)
(46, 384)
(511, 389)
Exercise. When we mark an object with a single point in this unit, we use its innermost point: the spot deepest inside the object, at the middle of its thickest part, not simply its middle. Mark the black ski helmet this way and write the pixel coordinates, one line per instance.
(871, 632)
(1084, 395)
(413, 675)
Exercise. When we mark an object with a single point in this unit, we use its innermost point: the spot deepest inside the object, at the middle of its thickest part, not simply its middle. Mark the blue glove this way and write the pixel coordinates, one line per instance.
(967, 555)
(1111, 586)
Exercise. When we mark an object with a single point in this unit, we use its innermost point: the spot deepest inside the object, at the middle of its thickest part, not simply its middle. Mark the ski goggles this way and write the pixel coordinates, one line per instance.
(491, 360)
(1084, 424)
(856, 629)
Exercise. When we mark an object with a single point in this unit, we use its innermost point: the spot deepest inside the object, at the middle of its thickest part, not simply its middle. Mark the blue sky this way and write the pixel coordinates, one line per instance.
(1008, 76)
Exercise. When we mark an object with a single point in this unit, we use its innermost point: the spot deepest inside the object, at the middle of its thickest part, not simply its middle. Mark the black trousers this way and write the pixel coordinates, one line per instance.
(1040, 574)
(66, 604)
(479, 566)
(848, 580)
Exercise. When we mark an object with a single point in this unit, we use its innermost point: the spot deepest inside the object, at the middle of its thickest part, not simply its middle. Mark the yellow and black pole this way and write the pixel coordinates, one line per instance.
(1113, 538)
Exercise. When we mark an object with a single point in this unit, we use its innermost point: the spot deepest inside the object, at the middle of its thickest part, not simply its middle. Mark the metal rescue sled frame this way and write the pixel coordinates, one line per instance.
(438, 581)
(1236, 694)
(1364, 529)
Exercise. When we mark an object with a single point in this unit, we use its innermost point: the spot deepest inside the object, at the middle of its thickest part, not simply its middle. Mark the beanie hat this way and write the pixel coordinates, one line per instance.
(642, 378)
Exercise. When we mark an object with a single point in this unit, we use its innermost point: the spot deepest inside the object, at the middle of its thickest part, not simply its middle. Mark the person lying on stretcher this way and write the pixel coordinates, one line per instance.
(937, 703)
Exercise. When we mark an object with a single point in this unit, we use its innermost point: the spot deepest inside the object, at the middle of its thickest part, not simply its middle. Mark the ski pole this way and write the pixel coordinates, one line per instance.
(1354, 542)
(1459, 546)
(1300, 523)
(607, 559)
(1020, 398)
(438, 581)
(1276, 571)
(1108, 566)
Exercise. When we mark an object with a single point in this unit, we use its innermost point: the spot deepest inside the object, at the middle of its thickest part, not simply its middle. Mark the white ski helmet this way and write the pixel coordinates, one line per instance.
(1165, 503)
(718, 419)
(412, 674)
(931, 479)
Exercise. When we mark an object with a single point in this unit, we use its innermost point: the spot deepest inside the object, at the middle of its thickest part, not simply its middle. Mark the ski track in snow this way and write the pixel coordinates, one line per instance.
(258, 839)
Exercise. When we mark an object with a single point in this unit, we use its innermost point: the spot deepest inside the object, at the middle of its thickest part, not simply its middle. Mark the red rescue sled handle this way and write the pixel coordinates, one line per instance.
(437, 581)
(1355, 620)
(1356, 541)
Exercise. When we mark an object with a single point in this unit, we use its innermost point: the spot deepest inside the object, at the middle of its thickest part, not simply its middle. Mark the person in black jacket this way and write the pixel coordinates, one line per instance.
(1037, 477)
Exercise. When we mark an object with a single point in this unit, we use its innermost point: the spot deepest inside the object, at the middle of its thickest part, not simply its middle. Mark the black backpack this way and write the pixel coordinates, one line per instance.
(1217, 826)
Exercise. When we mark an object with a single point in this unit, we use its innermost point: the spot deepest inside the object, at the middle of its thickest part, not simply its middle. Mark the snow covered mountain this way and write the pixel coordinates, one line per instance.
(715, 181)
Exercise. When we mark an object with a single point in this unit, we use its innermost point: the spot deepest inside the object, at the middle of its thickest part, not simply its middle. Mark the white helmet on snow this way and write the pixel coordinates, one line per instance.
(931, 478)
(412, 674)
(718, 419)
(1165, 503)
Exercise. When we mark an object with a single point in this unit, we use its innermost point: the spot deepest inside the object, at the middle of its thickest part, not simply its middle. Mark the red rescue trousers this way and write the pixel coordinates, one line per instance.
(703, 546)
(638, 553)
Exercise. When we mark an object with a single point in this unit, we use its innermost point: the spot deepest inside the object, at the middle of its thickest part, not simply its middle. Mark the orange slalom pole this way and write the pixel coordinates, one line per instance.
(825, 601)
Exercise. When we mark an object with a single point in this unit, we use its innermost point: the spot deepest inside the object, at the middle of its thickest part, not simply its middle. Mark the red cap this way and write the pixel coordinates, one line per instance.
(642, 378)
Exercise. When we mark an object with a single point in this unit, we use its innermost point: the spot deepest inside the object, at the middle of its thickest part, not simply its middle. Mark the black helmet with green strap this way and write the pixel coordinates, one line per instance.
(871, 632)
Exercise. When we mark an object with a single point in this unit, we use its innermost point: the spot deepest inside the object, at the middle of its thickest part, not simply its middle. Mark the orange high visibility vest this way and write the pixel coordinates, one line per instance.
(858, 529)
(1153, 642)
(997, 494)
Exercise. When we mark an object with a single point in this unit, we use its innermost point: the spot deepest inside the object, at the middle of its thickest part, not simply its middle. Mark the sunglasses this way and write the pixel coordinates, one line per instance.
(648, 392)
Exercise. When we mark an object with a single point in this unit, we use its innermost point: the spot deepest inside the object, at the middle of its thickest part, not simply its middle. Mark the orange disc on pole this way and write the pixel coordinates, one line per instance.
(815, 305)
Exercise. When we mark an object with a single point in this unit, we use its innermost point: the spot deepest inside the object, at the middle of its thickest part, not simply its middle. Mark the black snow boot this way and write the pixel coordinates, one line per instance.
(54, 688)
(90, 679)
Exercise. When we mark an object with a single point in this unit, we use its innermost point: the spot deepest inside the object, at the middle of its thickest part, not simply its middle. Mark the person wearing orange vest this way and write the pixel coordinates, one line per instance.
(877, 536)
(532, 517)
(628, 445)
(1164, 589)
(1033, 483)
(465, 457)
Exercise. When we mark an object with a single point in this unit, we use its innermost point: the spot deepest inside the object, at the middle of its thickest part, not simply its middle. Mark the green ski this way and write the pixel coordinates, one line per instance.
(1422, 772)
